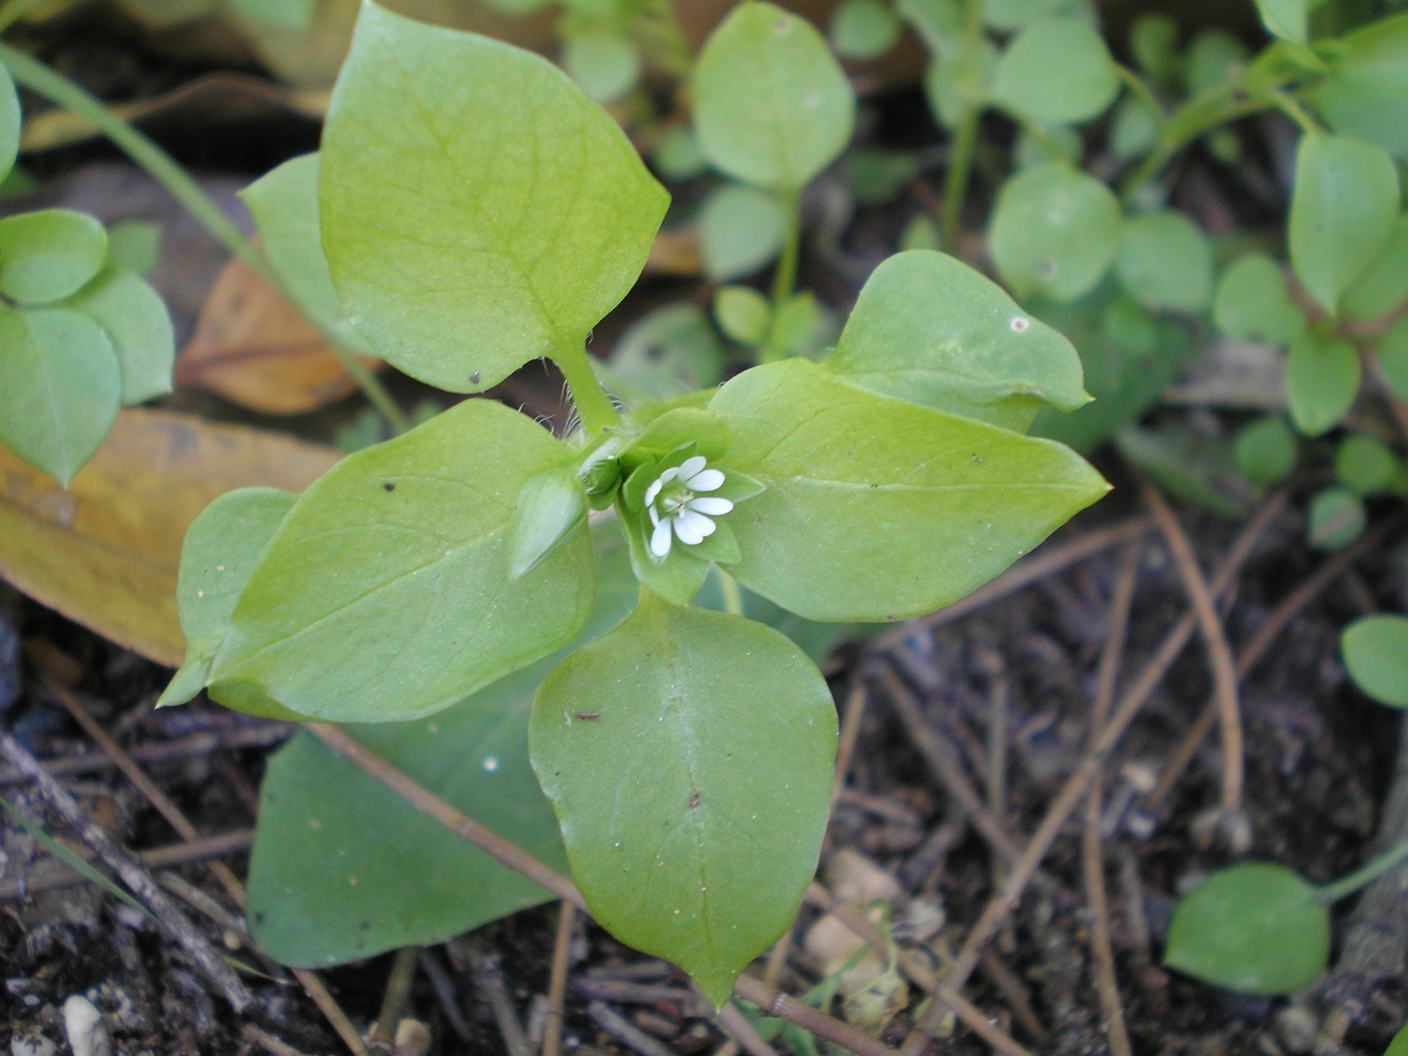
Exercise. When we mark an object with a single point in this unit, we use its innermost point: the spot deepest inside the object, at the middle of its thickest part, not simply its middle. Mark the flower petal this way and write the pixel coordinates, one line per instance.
(707, 480)
(693, 527)
(714, 507)
(660, 539)
(691, 466)
(653, 492)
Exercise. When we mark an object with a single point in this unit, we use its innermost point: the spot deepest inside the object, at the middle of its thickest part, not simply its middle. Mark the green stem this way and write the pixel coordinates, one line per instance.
(15, 10)
(784, 278)
(960, 165)
(594, 406)
(1184, 127)
(733, 597)
(1365, 875)
(58, 89)
(1146, 95)
(1292, 109)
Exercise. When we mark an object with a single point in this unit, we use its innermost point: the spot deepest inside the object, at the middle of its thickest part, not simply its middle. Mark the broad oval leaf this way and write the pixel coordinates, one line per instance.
(1366, 465)
(772, 106)
(1384, 286)
(10, 120)
(1054, 232)
(1254, 303)
(878, 509)
(929, 329)
(49, 254)
(1366, 91)
(1287, 19)
(1266, 450)
(741, 228)
(60, 388)
(1375, 651)
(689, 758)
(1322, 379)
(1056, 71)
(385, 595)
(1255, 928)
(1165, 261)
(1342, 212)
(135, 318)
(478, 210)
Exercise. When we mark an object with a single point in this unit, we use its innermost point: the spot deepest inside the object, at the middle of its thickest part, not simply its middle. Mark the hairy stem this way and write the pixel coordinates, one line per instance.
(594, 406)
(58, 89)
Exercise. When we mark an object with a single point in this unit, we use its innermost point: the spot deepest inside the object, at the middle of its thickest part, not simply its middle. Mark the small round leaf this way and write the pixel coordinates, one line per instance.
(1322, 379)
(1165, 261)
(1266, 450)
(740, 229)
(50, 254)
(1253, 303)
(1365, 465)
(1375, 651)
(864, 29)
(1336, 518)
(1057, 71)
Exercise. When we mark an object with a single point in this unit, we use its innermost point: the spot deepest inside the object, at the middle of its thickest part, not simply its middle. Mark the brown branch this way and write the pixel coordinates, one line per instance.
(1076, 786)
(557, 980)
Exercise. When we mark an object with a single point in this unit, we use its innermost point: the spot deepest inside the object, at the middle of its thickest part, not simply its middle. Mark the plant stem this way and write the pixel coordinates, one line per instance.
(733, 597)
(1292, 109)
(58, 89)
(784, 278)
(1366, 874)
(1139, 88)
(594, 406)
(15, 10)
(960, 165)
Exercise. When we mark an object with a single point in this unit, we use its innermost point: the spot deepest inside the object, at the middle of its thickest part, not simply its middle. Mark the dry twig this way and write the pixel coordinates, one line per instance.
(557, 979)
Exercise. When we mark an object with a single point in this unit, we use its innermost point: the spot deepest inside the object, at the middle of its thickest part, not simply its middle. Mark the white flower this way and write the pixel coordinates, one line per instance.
(678, 510)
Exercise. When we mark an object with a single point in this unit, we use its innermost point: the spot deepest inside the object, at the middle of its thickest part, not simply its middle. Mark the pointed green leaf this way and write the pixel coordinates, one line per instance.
(772, 106)
(1375, 651)
(385, 594)
(284, 204)
(60, 388)
(1165, 261)
(1343, 209)
(1366, 92)
(1322, 379)
(1255, 928)
(671, 749)
(219, 553)
(1399, 1045)
(1054, 232)
(878, 509)
(47, 255)
(135, 318)
(929, 329)
(549, 506)
(1056, 71)
(478, 210)
(1253, 302)
(10, 120)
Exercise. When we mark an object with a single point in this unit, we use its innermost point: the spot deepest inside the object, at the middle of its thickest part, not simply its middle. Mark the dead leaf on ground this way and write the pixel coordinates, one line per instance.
(105, 552)
(255, 348)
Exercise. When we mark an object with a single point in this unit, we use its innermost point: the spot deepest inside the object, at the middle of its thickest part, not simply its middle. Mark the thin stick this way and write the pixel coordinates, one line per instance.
(311, 984)
(624, 1031)
(490, 980)
(52, 878)
(266, 1041)
(1257, 647)
(169, 915)
(393, 1000)
(1072, 792)
(557, 980)
(772, 1001)
(743, 1033)
(1093, 857)
(856, 701)
(1051, 560)
(1214, 634)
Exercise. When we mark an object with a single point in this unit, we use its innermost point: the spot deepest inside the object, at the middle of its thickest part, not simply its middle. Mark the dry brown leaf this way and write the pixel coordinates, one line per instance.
(105, 552)
(255, 348)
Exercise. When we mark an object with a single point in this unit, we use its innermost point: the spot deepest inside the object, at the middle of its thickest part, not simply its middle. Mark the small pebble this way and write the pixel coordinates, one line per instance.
(412, 1038)
(32, 1047)
(84, 1026)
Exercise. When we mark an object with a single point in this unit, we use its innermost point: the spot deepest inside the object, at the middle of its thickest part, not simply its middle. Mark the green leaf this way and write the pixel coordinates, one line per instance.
(219, 553)
(60, 387)
(1165, 261)
(876, 509)
(707, 730)
(1054, 232)
(677, 156)
(1336, 518)
(135, 246)
(1134, 132)
(1188, 464)
(1393, 358)
(1287, 19)
(1366, 92)
(1153, 39)
(137, 323)
(671, 351)
(929, 329)
(50, 254)
(550, 505)
(605, 63)
(290, 16)
(1253, 302)
(879, 176)
(1256, 928)
(796, 327)
(465, 248)
(1375, 651)
(1322, 379)
(743, 313)
(864, 29)
(385, 595)
(1365, 465)
(1399, 1045)
(284, 204)
(1057, 71)
(1384, 286)
(1266, 450)
(1211, 60)
(1343, 211)
(740, 229)
(10, 121)
(1008, 15)
(343, 869)
(771, 105)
